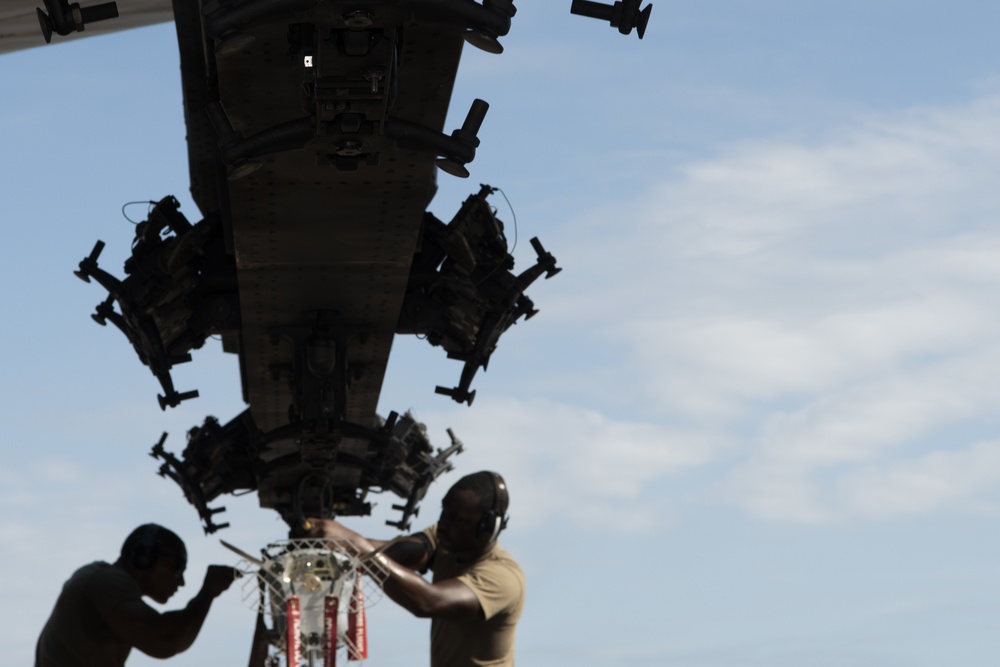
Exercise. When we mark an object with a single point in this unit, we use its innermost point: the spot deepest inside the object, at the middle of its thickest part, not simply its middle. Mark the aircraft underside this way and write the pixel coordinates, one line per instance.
(315, 132)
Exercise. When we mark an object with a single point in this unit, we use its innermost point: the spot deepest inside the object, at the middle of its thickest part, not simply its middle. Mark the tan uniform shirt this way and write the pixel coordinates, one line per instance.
(498, 583)
(76, 634)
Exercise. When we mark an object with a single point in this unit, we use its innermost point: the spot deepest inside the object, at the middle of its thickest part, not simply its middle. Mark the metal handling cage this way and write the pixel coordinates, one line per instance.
(312, 595)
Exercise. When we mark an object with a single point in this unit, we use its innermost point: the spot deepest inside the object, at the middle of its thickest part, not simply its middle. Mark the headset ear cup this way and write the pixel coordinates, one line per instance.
(497, 527)
(493, 521)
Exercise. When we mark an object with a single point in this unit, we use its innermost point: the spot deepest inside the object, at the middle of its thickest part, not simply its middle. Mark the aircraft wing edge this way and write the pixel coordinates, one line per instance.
(20, 30)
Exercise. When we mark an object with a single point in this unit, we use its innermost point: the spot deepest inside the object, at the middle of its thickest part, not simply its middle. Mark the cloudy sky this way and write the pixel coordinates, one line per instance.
(754, 424)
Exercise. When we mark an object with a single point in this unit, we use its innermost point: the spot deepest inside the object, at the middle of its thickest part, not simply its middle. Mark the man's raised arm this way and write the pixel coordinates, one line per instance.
(442, 599)
(167, 634)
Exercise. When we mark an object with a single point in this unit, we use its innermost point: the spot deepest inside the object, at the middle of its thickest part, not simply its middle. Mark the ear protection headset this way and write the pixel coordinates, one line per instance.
(493, 520)
(144, 550)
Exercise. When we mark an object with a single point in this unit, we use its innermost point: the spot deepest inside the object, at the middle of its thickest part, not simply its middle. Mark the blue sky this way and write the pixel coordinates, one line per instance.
(755, 421)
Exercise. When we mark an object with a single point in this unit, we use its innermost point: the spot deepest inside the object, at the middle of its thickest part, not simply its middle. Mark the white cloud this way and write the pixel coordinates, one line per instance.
(938, 479)
(563, 462)
(827, 304)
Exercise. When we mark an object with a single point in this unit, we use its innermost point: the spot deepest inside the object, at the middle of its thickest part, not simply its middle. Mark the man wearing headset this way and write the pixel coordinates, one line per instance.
(477, 592)
(100, 615)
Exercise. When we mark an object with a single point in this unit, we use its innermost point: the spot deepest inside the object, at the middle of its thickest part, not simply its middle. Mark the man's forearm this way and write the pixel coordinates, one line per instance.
(185, 624)
(449, 598)
(402, 584)
(410, 552)
(405, 587)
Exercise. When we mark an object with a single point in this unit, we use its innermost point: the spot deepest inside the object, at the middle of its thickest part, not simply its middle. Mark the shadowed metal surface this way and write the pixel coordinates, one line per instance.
(315, 131)
(308, 237)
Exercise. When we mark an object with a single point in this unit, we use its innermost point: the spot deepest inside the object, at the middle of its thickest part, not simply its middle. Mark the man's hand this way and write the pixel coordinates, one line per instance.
(333, 530)
(330, 529)
(218, 578)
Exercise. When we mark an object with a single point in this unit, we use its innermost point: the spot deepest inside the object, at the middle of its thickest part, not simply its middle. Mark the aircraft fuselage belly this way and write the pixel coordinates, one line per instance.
(309, 237)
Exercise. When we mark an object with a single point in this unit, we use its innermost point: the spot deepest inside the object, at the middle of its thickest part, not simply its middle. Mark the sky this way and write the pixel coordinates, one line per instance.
(755, 421)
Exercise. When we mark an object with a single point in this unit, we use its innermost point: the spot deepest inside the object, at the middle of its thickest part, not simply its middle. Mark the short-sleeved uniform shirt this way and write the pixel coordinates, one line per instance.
(77, 633)
(498, 583)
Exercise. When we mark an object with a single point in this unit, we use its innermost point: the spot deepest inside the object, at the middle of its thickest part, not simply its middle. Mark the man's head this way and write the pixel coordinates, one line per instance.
(156, 558)
(473, 512)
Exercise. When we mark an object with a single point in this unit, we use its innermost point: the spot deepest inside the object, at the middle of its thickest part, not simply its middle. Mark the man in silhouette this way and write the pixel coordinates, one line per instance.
(477, 592)
(100, 614)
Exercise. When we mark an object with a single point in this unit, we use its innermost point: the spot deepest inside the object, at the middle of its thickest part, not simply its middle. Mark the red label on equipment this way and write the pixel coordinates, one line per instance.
(357, 633)
(330, 631)
(293, 638)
